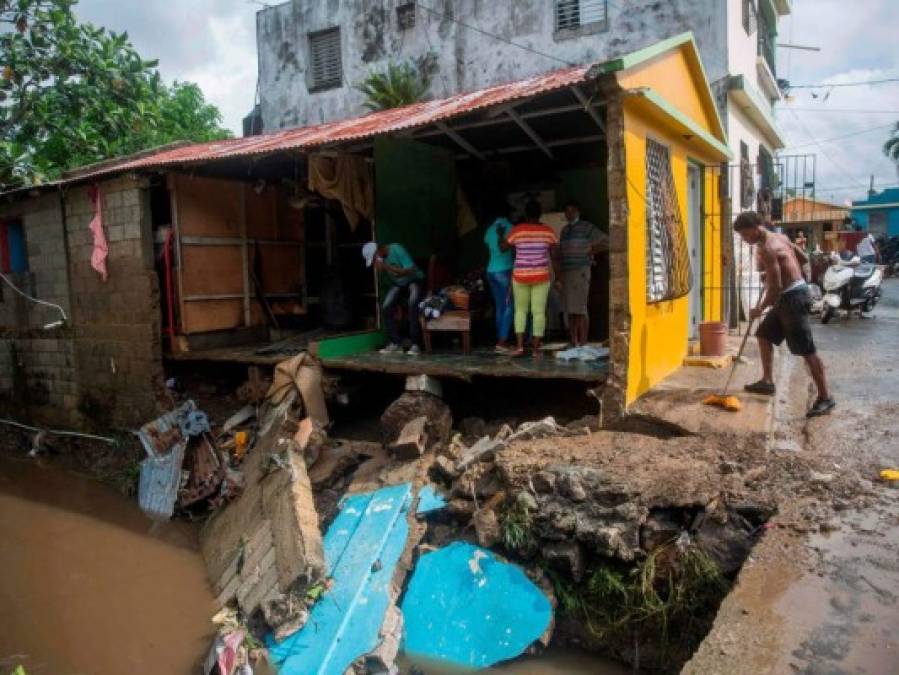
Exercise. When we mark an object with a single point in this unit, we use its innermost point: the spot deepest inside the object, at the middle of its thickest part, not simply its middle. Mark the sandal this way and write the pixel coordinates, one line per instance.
(822, 406)
(761, 387)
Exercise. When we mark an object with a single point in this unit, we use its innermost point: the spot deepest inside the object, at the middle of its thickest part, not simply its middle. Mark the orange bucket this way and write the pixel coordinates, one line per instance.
(712, 338)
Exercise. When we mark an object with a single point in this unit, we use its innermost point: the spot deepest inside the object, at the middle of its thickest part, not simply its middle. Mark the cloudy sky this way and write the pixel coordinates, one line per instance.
(212, 43)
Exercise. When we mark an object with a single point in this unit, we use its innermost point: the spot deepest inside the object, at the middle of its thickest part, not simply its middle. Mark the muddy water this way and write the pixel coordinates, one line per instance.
(89, 586)
(553, 662)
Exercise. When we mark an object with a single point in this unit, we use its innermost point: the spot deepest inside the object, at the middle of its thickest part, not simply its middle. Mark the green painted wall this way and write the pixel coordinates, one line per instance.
(415, 196)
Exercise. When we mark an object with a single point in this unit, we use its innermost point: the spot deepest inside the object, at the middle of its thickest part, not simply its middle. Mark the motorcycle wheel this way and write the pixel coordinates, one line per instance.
(827, 314)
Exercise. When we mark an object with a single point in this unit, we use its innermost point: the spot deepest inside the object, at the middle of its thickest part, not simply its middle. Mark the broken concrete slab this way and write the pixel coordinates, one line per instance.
(362, 549)
(414, 404)
(489, 611)
(266, 542)
(412, 441)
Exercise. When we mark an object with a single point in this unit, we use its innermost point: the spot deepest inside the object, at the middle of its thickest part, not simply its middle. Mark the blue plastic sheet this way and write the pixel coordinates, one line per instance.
(429, 500)
(362, 548)
(465, 607)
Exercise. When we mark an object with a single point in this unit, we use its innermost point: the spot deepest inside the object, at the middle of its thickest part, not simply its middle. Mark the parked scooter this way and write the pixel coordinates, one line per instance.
(850, 286)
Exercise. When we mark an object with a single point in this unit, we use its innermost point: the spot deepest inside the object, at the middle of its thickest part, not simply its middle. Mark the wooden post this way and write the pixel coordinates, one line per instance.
(245, 256)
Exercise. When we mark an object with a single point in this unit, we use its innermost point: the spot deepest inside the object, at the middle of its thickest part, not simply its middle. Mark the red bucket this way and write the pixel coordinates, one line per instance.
(712, 338)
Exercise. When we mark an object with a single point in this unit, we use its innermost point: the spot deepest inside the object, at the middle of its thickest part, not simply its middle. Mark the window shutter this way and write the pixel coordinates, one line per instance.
(576, 13)
(325, 62)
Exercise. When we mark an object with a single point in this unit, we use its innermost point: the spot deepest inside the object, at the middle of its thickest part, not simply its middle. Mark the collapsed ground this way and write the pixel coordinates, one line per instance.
(635, 535)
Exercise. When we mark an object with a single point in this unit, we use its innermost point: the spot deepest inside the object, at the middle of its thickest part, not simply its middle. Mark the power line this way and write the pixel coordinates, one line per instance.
(493, 35)
(834, 138)
(821, 148)
(843, 84)
(843, 110)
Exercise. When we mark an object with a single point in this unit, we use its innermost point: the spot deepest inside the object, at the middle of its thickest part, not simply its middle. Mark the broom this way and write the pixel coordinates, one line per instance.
(722, 400)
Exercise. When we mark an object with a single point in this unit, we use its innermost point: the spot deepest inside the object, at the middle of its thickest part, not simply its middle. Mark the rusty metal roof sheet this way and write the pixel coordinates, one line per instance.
(357, 128)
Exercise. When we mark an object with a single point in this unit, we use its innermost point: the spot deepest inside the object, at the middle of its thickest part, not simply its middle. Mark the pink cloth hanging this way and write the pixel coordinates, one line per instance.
(101, 248)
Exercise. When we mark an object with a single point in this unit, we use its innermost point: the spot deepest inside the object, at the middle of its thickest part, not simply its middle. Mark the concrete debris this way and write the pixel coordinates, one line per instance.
(239, 418)
(443, 469)
(412, 441)
(483, 451)
(413, 404)
(266, 544)
(487, 527)
(566, 557)
(426, 384)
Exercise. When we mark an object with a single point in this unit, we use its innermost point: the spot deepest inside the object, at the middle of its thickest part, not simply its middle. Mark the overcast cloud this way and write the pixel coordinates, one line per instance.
(212, 43)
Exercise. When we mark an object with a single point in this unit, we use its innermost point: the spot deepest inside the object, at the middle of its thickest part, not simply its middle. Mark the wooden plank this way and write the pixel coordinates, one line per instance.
(211, 270)
(208, 206)
(245, 256)
(349, 344)
(200, 317)
(261, 213)
(282, 268)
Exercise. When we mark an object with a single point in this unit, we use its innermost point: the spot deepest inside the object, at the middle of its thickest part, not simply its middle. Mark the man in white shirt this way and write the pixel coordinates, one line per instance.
(867, 247)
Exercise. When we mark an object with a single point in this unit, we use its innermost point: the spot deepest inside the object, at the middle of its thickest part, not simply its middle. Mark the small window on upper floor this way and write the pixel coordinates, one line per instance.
(750, 17)
(325, 60)
(405, 15)
(581, 16)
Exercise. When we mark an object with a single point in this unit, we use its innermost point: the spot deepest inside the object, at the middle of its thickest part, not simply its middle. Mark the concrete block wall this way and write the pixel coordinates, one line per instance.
(116, 322)
(37, 366)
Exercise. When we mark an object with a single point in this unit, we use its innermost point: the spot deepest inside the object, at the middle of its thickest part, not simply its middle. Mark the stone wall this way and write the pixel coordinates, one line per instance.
(103, 367)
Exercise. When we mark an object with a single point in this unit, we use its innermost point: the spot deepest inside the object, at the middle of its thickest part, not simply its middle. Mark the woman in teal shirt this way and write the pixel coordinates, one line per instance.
(499, 276)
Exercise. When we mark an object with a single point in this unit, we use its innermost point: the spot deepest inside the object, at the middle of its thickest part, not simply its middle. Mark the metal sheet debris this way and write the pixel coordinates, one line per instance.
(465, 607)
(362, 548)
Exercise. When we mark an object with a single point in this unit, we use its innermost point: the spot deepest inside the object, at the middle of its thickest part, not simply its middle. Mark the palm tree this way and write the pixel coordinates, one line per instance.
(401, 84)
(891, 147)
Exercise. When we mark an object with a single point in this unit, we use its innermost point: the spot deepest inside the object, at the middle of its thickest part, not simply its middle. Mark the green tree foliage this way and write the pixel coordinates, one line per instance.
(891, 147)
(72, 94)
(401, 84)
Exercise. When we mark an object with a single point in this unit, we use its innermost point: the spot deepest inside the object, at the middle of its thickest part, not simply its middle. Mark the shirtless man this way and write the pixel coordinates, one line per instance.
(787, 294)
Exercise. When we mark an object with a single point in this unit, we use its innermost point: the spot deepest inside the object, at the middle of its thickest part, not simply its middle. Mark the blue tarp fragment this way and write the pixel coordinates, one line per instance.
(429, 500)
(465, 607)
(362, 548)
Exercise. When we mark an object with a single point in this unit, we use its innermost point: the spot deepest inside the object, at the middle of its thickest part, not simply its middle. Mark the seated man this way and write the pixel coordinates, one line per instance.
(395, 260)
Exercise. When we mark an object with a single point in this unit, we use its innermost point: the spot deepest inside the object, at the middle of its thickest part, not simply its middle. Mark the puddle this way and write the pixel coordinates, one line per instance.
(89, 585)
(555, 661)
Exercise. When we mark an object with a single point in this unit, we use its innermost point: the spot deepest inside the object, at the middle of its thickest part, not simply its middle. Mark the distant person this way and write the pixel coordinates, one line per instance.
(787, 294)
(395, 260)
(579, 242)
(867, 247)
(531, 277)
(801, 240)
(499, 275)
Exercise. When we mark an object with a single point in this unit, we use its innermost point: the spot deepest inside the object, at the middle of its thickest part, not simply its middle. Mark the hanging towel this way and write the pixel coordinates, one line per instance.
(347, 179)
(101, 248)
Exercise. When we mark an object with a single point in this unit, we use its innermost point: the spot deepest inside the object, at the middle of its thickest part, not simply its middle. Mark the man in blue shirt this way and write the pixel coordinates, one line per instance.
(407, 279)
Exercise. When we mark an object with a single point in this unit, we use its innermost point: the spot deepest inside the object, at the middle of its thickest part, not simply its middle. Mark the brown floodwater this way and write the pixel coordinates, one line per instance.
(90, 586)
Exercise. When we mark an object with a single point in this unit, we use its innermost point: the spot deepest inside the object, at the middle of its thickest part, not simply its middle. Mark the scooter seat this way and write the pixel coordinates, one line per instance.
(864, 271)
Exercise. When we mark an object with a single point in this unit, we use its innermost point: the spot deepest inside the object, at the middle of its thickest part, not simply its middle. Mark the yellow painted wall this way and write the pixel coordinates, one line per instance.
(659, 331)
(673, 77)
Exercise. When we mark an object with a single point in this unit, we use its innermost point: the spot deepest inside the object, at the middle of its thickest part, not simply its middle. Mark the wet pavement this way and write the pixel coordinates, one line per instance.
(844, 618)
(827, 602)
(89, 585)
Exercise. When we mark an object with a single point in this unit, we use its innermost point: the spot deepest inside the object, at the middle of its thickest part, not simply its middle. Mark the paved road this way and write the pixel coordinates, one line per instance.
(845, 618)
(827, 603)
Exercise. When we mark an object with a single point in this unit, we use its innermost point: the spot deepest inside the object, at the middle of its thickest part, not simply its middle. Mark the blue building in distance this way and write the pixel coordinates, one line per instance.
(879, 213)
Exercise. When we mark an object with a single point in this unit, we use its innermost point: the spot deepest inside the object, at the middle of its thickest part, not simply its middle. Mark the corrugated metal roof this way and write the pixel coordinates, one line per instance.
(357, 128)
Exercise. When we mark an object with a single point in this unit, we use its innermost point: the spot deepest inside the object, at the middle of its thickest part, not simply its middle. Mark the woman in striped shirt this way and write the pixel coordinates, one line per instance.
(533, 242)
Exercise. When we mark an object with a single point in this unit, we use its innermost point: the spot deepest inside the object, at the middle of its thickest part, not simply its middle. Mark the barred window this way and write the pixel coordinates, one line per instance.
(668, 273)
(325, 61)
(576, 13)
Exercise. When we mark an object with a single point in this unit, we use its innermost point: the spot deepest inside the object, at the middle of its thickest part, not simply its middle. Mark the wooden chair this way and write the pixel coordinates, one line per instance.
(455, 320)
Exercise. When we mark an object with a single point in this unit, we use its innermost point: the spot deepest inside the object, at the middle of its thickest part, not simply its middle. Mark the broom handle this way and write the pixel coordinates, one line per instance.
(733, 368)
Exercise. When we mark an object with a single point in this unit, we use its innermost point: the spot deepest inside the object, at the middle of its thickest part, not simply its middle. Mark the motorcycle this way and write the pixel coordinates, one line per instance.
(849, 286)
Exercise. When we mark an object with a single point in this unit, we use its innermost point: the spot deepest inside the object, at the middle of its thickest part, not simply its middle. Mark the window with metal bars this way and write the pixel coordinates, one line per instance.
(573, 14)
(325, 60)
(750, 17)
(668, 272)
